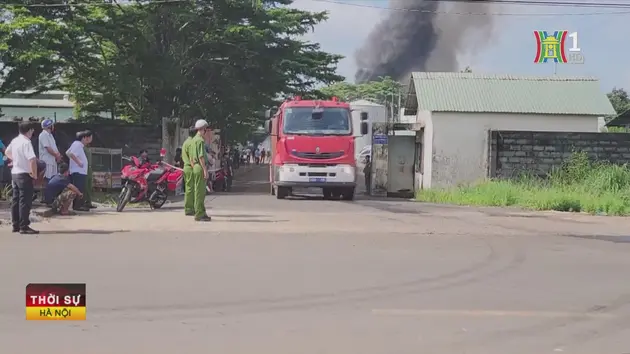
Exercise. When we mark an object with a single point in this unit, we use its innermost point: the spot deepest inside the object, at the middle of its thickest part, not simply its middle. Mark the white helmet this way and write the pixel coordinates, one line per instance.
(201, 123)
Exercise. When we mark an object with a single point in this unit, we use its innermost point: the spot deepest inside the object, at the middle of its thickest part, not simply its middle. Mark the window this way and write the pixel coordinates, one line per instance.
(317, 121)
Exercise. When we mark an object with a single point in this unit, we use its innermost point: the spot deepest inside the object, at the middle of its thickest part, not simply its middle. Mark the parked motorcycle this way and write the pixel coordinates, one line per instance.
(222, 181)
(147, 182)
(7, 190)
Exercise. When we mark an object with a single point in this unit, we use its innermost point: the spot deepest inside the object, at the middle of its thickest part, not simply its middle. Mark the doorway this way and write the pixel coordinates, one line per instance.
(401, 166)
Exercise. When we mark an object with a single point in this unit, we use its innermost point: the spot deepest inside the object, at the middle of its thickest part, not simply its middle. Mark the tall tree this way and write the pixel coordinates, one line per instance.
(222, 60)
(619, 99)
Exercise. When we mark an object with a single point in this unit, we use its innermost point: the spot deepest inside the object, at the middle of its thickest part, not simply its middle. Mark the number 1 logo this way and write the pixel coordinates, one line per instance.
(552, 46)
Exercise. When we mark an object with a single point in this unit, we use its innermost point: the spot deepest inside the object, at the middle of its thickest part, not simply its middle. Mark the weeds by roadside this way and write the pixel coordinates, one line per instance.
(580, 185)
(110, 199)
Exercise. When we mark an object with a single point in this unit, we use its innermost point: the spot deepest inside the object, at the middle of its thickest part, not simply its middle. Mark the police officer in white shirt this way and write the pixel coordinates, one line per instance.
(79, 167)
(48, 151)
(23, 174)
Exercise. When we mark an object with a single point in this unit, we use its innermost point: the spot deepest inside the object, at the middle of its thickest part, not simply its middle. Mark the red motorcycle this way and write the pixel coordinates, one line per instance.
(147, 182)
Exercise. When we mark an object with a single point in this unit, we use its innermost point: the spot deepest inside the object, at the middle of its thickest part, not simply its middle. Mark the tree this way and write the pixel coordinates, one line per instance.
(385, 91)
(619, 99)
(222, 60)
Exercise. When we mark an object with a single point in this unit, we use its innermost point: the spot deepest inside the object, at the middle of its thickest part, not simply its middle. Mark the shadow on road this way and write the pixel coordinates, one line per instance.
(81, 232)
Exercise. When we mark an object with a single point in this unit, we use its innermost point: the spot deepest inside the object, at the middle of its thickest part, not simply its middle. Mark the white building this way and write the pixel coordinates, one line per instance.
(23, 105)
(456, 111)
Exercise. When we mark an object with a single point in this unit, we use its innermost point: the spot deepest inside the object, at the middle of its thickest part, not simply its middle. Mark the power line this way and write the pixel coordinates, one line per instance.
(517, 3)
(85, 4)
(613, 5)
(544, 3)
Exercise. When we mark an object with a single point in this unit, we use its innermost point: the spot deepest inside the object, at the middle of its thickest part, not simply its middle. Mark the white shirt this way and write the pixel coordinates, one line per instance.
(47, 140)
(21, 151)
(76, 149)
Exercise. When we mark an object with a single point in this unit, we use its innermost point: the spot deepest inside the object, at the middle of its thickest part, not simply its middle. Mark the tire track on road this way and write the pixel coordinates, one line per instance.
(475, 273)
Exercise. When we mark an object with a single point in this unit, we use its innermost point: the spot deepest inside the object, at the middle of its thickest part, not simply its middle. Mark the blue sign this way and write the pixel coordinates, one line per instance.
(379, 139)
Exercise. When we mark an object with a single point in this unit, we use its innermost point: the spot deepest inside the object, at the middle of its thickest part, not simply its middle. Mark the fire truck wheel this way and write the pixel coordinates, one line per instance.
(348, 194)
(282, 192)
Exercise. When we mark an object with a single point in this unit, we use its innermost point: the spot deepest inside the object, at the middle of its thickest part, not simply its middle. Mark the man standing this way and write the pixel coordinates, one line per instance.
(23, 174)
(79, 167)
(2, 150)
(89, 183)
(48, 153)
(198, 159)
(189, 191)
(226, 164)
(367, 173)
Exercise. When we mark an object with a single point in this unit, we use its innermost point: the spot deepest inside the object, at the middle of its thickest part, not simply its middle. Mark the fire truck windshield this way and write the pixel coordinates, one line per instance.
(317, 121)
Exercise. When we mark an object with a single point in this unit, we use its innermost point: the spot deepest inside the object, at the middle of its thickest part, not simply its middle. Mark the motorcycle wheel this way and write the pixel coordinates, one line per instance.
(123, 198)
(159, 202)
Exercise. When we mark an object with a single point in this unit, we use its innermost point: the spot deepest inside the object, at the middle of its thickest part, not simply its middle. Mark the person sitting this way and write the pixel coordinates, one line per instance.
(178, 158)
(60, 193)
(144, 158)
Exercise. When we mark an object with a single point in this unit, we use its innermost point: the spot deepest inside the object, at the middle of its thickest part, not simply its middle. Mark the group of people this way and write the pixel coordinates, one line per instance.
(63, 185)
(257, 156)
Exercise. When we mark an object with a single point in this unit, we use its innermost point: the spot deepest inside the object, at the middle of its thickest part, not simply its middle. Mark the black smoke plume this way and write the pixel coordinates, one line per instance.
(427, 36)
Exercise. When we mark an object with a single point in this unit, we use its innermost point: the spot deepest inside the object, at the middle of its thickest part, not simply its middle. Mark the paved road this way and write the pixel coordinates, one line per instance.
(315, 276)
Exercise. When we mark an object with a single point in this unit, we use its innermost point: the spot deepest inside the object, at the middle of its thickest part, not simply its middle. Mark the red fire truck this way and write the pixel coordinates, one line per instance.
(312, 145)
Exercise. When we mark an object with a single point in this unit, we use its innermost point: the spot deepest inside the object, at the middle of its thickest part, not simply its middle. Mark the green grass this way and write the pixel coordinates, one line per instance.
(578, 186)
(110, 199)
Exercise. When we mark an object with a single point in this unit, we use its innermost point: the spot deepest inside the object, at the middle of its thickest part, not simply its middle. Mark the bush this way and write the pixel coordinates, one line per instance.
(580, 185)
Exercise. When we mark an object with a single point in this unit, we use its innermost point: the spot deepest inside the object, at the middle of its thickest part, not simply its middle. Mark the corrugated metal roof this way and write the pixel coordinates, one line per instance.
(52, 92)
(469, 92)
(25, 102)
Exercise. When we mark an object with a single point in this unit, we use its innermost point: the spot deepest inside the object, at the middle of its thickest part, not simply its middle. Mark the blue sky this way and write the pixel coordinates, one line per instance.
(511, 48)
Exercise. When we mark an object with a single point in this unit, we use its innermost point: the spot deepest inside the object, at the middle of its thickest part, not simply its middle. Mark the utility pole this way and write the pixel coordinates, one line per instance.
(391, 107)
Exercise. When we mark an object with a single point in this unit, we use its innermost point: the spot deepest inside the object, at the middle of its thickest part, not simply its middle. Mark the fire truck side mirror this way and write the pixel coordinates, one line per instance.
(364, 128)
(271, 112)
(269, 126)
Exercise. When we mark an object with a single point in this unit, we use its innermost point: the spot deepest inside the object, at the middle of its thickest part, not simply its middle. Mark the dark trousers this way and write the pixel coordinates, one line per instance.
(79, 181)
(368, 183)
(22, 200)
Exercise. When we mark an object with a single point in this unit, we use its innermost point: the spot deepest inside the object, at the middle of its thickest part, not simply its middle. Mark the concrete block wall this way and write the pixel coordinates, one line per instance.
(514, 152)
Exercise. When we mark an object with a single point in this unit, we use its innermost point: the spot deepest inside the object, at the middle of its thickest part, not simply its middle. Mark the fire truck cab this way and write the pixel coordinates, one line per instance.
(312, 145)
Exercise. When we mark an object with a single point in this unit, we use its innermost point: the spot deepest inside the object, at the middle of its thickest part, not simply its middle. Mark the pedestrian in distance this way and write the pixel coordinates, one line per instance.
(89, 183)
(367, 173)
(23, 174)
(189, 192)
(2, 151)
(48, 152)
(60, 193)
(79, 167)
(198, 158)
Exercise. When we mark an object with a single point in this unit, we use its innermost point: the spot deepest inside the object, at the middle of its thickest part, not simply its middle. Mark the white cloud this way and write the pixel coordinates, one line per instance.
(344, 31)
